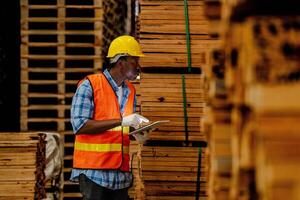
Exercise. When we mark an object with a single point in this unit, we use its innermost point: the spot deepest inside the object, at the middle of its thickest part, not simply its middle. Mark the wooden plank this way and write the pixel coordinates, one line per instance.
(55, 57)
(12, 159)
(168, 3)
(33, 6)
(54, 44)
(24, 62)
(59, 32)
(17, 189)
(61, 51)
(194, 29)
(54, 19)
(265, 99)
(19, 136)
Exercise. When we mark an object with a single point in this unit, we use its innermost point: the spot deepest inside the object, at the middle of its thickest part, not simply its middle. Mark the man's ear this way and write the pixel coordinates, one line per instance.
(120, 63)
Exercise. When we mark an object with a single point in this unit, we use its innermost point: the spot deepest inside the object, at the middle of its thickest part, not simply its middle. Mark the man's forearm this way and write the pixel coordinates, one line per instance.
(95, 126)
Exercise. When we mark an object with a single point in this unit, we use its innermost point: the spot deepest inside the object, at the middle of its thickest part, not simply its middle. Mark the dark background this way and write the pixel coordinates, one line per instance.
(9, 66)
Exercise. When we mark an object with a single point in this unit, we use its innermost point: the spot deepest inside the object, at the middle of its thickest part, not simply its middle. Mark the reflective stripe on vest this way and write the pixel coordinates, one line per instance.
(108, 149)
(119, 128)
(100, 147)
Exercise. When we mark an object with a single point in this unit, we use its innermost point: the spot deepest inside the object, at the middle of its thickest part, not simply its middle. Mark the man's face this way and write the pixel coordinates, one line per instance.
(131, 67)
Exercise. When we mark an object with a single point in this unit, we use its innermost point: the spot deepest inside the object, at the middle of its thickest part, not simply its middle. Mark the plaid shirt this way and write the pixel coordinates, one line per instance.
(81, 111)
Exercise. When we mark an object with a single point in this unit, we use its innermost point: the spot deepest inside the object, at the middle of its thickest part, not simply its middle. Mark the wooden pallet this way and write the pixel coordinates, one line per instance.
(270, 54)
(257, 80)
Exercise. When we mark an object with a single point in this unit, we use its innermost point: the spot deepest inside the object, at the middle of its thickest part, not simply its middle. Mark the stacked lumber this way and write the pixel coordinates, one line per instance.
(171, 172)
(22, 164)
(162, 99)
(178, 98)
(263, 70)
(172, 88)
(261, 67)
(163, 34)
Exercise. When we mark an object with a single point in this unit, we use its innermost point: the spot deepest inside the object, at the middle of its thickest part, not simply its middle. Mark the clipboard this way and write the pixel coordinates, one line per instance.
(149, 126)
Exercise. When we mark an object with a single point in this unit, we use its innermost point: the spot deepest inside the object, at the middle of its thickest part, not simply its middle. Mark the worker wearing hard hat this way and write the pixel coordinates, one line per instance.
(102, 111)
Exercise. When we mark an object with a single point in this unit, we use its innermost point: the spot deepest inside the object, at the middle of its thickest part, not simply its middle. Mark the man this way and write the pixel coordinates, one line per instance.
(102, 112)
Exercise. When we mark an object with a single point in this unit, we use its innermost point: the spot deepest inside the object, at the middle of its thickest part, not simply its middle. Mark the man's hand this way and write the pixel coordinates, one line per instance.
(134, 120)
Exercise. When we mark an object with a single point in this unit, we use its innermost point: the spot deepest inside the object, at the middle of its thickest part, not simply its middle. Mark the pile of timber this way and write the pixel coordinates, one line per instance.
(172, 172)
(163, 170)
(172, 88)
(163, 33)
(22, 164)
(253, 153)
(162, 98)
(262, 78)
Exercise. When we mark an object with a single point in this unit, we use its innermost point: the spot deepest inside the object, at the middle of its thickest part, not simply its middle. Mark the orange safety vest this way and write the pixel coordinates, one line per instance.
(108, 149)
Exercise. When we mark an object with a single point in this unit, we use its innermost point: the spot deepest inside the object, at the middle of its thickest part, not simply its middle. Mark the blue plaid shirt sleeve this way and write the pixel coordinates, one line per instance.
(82, 105)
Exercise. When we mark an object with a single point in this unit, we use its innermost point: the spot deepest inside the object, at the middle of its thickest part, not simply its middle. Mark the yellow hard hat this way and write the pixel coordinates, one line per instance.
(124, 44)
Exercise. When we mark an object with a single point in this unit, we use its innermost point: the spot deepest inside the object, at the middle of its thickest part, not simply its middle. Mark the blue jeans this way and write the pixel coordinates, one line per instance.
(93, 191)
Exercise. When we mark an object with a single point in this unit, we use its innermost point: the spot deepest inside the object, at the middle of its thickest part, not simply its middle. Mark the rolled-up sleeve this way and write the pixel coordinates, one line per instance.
(82, 105)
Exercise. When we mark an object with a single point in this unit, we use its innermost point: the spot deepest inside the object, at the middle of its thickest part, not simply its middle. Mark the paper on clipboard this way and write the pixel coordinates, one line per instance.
(149, 126)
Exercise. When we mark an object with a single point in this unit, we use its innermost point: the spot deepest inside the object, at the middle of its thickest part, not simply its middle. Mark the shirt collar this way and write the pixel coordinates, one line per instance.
(112, 81)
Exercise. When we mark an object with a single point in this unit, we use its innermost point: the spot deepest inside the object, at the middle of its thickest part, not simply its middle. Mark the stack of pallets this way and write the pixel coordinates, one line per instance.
(53, 58)
(22, 164)
(262, 80)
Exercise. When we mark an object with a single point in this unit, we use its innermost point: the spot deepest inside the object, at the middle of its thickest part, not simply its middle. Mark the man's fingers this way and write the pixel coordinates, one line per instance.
(142, 119)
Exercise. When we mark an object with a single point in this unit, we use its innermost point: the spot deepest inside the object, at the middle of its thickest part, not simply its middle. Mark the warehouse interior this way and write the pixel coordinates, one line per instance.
(225, 73)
